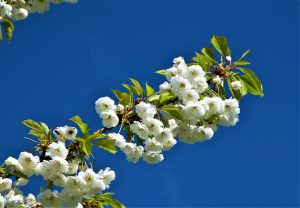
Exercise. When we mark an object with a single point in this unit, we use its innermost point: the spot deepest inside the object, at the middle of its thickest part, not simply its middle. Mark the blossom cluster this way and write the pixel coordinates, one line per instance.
(19, 9)
(201, 114)
(73, 182)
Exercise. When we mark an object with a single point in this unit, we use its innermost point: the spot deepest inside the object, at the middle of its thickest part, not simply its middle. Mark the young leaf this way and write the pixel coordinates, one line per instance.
(138, 87)
(241, 63)
(0, 33)
(154, 98)
(252, 80)
(248, 83)
(203, 61)
(129, 133)
(36, 133)
(164, 97)
(118, 94)
(244, 54)
(161, 72)
(45, 128)
(107, 144)
(220, 43)
(150, 90)
(127, 99)
(8, 28)
(106, 199)
(172, 110)
(33, 125)
(131, 89)
(86, 147)
(209, 53)
(83, 126)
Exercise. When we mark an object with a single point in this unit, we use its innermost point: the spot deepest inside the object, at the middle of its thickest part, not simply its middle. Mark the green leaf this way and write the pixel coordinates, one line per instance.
(161, 72)
(118, 94)
(86, 147)
(209, 53)
(252, 81)
(8, 28)
(83, 126)
(49, 184)
(166, 96)
(131, 89)
(241, 63)
(220, 43)
(244, 54)
(45, 127)
(1, 33)
(33, 125)
(243, 89)
(107, 144)
(129, 133)
(107, 199)
(203, 61)
(36, 133)
(172, 110)
(127, 99)
(138, 87)
(150, 91)
(154, 98)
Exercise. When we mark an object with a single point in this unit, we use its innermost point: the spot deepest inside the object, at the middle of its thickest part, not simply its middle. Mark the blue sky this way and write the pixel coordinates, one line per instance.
(59, 63)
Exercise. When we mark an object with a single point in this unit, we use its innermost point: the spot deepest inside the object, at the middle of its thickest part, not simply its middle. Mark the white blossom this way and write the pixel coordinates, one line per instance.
(104, 104)
(236, 85)
(57, 150)
(48, 198)
(110, 119)
(5, 184)
(145, 110)
(153, 157)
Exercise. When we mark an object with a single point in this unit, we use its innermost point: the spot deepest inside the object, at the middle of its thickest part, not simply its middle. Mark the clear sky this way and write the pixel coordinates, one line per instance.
(59, 63)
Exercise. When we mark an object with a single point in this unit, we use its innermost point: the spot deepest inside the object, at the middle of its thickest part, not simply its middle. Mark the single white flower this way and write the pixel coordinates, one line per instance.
(57, 150)
(164, 136)
(70, 198)
(193, 72)
(29, 163)
(48, 198)
(19, 14)
(145, 110)
(107, 176)
(14, 163)
(153, 145)
(169, 144)
(104, 104)
(110, 119)
(190, 96)
(218, 80)
(118, 139)
(5, 184)
(164, 87)
(200, 84)
(70, 132)
(215, 105)
(154, 126)
(153, 157)
(236, 85)
(171, 72)
(140, 129)
(30, 200)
